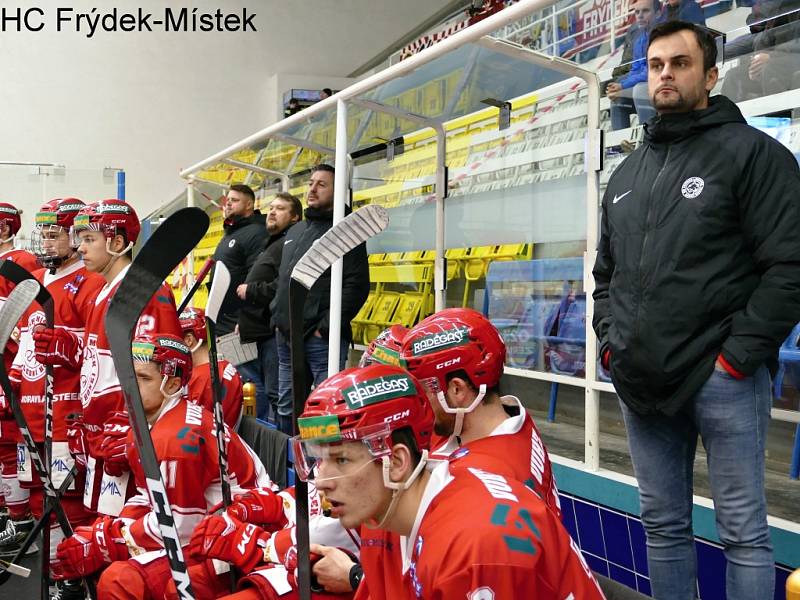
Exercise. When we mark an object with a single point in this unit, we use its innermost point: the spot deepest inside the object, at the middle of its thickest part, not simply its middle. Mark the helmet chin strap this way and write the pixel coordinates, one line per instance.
(196, 346)
(460, 412)
(114, 255)
(397, 487)
(167, 397)
(5, 241)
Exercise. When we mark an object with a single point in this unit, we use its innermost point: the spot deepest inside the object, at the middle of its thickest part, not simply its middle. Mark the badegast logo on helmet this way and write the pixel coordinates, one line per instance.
(113, 209)
(378, 390)
(70, 208)
(440, 340)
(9, 210)
(174, 344)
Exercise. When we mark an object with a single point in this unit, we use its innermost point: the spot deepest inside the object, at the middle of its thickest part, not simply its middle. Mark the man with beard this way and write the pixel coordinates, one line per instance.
(697, 285)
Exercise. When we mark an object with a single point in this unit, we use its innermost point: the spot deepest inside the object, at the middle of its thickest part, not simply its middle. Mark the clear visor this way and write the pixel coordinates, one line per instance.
(321, 459)
(75, 230)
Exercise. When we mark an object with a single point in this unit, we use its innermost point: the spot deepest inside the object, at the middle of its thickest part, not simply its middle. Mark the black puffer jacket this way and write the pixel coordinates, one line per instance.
(699, 253)
(238, 249)
(355, 279)
(254, 319)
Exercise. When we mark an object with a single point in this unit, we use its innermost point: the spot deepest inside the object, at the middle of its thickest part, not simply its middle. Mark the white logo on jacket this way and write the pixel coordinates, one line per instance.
(692, 187)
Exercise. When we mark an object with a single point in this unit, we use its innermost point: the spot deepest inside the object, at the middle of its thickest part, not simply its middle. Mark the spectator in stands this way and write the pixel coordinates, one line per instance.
(292, 108)
(628, 92)
(681, 10)
(244, 238)
(316, 313)
(697, 285)
(769, 56)
(325, 93)
(258, 291)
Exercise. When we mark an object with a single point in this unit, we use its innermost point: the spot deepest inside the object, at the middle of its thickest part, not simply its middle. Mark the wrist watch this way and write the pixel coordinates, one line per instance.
(356, 575)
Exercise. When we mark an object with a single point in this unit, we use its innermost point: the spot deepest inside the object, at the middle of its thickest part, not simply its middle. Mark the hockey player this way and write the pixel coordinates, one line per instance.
(105, 234)
(458, 356)
(364, 440)
(15, 518)
(73, 290)
(193, 324)
(185, 444)
(385, 348)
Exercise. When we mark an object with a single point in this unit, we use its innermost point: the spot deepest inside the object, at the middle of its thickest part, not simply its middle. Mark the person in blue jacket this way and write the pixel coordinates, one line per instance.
(681, 10)
(628, 92)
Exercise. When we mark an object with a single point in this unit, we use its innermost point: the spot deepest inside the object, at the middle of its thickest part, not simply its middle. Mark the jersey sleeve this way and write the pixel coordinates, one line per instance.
(232, 394)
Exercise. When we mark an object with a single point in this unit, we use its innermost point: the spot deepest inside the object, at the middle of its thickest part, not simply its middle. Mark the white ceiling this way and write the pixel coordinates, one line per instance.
(153, 103)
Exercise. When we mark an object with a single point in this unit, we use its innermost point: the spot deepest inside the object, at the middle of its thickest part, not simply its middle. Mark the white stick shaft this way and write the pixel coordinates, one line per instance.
(340, 186)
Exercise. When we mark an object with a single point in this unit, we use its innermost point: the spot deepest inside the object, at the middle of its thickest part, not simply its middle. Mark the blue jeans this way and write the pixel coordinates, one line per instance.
(731, 417)
(268, 355)
(316, 367)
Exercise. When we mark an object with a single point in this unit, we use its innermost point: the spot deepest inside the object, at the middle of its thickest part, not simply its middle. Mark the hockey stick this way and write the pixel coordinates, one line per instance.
(351, 231)
(15, 306)
(167, 247)
(196, 286)
(17, 274)
(216, 295)
(12, 567)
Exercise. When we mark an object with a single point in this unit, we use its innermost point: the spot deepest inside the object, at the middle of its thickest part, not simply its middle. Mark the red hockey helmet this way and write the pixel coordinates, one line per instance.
(54, 217)
(451, 340)
(193, 320)
(168, 351)
(385, 349)
(111, 217)
(59, 212)
(10, 215)
(362, 404)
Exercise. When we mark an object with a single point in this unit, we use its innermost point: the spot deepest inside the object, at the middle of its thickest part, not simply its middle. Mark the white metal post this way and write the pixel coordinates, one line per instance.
(190, 202)
(594, 157)
(341, 184)
(440, 268)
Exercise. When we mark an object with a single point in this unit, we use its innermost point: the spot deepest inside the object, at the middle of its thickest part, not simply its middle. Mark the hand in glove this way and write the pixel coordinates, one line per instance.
(57, 347)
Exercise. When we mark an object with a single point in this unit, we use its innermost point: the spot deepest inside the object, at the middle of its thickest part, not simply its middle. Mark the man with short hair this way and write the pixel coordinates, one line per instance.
(244, 238)
(316, 313)
(697, 284)
(257, 292)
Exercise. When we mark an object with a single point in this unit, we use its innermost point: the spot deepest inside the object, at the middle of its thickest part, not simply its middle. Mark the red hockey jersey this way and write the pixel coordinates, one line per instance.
(73, 290)
(513, 449)
(511, 545)
(100, 389)
(186, 446)
(8, 426)
(232, 395)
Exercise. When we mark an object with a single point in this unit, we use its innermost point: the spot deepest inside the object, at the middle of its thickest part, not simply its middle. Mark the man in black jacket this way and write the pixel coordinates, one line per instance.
(244, 238)
(257, 292)
(697, 284)
(316, 313)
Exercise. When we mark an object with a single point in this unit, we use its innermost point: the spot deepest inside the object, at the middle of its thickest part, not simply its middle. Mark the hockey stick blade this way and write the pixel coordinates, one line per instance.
(201, 276)
(165, 249)
(219, 287)
(20, 298)
(356, 228)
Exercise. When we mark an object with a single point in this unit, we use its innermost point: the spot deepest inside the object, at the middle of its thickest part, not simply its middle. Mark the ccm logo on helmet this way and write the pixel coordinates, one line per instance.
(397, 416)
(443, 339)
(448, 363)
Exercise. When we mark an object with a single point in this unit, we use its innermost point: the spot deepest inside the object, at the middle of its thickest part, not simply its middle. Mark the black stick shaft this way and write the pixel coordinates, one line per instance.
(196, 286)
(297, 300)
